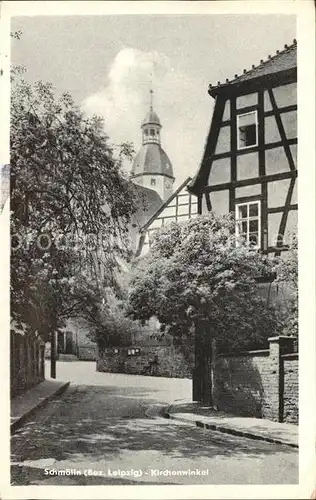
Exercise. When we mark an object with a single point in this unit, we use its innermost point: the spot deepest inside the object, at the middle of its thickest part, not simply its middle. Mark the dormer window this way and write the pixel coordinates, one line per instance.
(247, 130)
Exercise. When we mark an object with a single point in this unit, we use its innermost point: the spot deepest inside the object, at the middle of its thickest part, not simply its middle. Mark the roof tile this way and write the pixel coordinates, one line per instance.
(282, 61)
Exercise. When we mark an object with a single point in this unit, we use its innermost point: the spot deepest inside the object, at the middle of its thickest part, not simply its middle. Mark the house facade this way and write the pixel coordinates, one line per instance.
(249, 165)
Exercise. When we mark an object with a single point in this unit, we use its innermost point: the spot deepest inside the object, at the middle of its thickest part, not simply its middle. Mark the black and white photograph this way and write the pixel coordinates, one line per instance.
(151, 201)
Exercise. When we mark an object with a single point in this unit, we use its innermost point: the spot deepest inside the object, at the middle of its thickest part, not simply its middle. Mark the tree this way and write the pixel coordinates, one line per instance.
(287, 280)
(71, 203)
(195, 276)
(114, 328)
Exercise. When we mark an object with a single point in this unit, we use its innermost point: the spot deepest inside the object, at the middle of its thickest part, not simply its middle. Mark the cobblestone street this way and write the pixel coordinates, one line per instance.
(98, 430)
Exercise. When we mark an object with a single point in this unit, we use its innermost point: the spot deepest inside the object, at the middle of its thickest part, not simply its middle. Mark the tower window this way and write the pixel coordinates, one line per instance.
(146, 132)
(152, 132)
(153, 182)
(247, 130)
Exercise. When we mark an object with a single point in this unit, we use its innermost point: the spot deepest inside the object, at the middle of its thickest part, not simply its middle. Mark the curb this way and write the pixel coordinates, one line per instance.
(156, 411)
(228, 430)
(20, 421)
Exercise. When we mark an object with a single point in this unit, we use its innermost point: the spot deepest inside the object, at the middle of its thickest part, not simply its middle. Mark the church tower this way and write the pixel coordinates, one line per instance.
(152, 167)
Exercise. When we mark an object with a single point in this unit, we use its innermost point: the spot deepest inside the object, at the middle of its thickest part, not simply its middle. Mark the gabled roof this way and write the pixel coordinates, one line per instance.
(284, 60)
(149, 203)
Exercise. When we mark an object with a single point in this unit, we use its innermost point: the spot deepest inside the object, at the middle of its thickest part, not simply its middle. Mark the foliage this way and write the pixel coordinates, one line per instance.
(71, 204)
(195, 275)
(287, 281)
(114, 328)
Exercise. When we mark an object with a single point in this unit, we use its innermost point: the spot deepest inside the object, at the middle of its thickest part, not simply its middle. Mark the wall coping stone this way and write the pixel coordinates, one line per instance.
(261, 352)
(281, 337)
(293, 355)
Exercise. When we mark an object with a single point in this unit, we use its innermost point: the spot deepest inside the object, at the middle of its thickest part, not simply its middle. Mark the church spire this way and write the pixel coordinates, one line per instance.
(151, 98)
(152, 168)
(151, 124)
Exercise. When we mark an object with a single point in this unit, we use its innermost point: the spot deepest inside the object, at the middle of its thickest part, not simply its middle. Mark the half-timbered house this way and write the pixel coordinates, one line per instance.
(249, 165)
(179, 207)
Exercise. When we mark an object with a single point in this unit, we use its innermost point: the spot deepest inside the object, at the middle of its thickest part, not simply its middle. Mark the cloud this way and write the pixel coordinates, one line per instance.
(124, 102)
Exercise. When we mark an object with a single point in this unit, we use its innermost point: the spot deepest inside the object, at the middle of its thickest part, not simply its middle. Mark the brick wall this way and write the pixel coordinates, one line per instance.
(172, 361)
(290, 404)
(241, 383)
(261, 384)
(27, 364)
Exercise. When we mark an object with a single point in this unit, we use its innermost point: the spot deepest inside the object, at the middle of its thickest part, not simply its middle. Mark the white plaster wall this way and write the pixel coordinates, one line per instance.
(276, 161)
(169, 210)
(273, 228)
(220, 172)
(244, 191)
(223, 142)
(277, 191)
(289, 121)
(271, 131)
(204, 206)
(293, 149)
(226, 114)
(220, 202)
(291, 226)
(285, 95)
(247, 166)
(294, 194)
(159, 187)
(247, 100)
(267, 102)
(274, 225)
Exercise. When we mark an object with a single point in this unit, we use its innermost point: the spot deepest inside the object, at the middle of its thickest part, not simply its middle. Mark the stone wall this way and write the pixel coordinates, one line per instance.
(86, 352)
(262, 384)
(160, 361)
(27, 366)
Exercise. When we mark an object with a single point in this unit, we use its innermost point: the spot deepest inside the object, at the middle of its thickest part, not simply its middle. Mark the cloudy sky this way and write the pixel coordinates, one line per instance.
(107, 63)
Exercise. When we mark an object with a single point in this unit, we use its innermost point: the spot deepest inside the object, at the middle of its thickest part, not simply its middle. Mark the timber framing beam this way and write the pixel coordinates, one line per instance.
(251, 181)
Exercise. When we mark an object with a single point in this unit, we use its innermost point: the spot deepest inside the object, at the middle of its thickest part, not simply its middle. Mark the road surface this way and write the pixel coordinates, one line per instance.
(97, 433)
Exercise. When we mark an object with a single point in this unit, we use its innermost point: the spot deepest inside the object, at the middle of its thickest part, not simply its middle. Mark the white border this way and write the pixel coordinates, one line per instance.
(305, 11)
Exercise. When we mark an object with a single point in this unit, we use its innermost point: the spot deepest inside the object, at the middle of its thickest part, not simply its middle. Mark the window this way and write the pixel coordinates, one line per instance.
(152, 132)
(248, 223)
(153, 182)
(247, 130)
